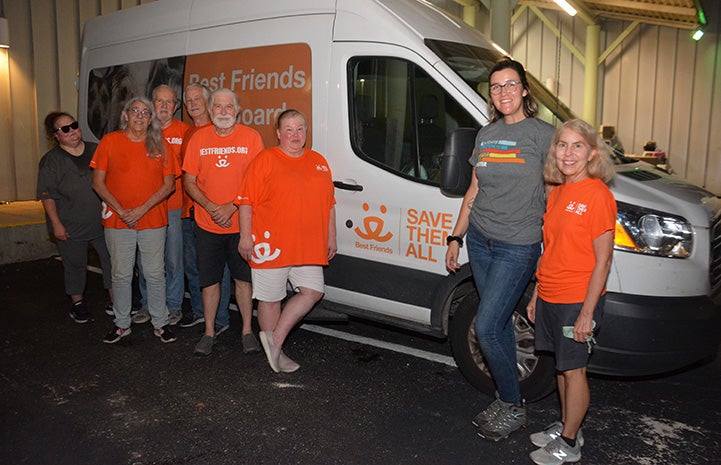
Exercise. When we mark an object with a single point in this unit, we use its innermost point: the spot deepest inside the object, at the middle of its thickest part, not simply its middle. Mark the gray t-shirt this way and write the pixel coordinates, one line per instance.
(69, 181)
(511, 199)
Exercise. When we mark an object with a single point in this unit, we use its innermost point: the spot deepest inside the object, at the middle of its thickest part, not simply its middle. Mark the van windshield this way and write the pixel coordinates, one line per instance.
(472, 64)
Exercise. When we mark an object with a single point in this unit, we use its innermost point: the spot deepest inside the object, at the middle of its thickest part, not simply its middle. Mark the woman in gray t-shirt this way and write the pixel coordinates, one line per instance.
(501, 216)
(72, 208)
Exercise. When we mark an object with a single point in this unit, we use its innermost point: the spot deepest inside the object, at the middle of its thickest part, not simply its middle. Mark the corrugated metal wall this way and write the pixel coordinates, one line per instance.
(658, 85)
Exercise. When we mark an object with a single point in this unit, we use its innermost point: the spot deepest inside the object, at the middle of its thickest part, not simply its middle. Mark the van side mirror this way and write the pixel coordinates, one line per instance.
(456, 172)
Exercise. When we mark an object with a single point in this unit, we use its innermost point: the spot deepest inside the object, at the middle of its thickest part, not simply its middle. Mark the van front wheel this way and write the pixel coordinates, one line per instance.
(535, 372)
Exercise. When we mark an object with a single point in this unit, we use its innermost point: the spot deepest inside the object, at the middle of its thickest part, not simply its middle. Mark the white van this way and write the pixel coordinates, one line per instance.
(389, 86)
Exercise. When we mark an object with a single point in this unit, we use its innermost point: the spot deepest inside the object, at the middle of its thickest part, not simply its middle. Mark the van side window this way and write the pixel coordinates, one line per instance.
(400, 116)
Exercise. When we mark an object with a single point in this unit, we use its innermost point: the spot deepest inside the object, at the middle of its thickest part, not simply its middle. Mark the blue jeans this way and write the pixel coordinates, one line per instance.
(190, 263)
(501, 272)
(174, 282)
(122, 244)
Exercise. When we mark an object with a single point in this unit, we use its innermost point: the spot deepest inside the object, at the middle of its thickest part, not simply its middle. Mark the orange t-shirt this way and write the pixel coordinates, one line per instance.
(576, 214)
(174, 136)
(132, 177)
(291, 199)
(219, 164)
(187, 201)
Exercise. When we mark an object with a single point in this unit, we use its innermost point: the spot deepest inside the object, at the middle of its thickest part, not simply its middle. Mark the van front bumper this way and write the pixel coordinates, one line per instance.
(645, 335)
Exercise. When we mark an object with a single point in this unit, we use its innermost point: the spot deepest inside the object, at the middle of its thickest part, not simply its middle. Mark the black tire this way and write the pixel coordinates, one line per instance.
(536, 372)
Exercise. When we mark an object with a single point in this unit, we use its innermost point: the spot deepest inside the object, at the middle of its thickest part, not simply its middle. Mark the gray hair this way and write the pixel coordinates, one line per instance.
(154, 137)
(224, 91)
(197, 85)
(164, 86)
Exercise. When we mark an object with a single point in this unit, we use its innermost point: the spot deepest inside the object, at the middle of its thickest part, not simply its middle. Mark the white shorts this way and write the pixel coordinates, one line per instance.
(270, 285)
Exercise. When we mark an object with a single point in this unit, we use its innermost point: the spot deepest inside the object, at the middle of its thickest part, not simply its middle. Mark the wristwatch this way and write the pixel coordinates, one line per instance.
(458, 239)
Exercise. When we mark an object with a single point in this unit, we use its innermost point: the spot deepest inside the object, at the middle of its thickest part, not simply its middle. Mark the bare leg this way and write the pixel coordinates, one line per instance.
(577, 398)
(562, 394)
(211, 297)
(295, 309)
(244, 299)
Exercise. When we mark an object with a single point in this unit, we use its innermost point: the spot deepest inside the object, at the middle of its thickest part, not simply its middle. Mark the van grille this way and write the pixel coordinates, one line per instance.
(715, 269)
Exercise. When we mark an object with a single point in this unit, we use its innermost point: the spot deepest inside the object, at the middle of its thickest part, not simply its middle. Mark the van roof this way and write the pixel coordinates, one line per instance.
(356, 20)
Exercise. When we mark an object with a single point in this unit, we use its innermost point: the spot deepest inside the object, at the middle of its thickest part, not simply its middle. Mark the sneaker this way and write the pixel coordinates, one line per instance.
(489, 413)
(285, 364)
(509, 418)
(191, 319)
(116, 334)
(165, 334)
(109, 309)
(79, 312)
(204, 346)
(250, 343)
(556, 452)
(553, 431)
(174, 316)
(272, 353)
(220, 329)
(143, 316)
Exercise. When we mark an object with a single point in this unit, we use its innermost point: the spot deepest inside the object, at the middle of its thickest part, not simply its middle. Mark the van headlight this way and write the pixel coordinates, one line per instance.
(652, 232)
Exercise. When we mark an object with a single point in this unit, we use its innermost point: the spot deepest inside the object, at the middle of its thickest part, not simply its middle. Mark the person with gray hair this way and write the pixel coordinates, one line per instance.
(216, 160)
(165, 103)
(196, 98)
(133, 175)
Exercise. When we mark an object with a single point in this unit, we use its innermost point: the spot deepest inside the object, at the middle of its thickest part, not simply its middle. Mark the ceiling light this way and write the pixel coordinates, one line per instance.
(4, 33)
(697, 34)
(566, 7)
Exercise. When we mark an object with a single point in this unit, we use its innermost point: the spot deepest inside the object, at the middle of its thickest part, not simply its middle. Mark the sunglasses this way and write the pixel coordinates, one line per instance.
(66, 129)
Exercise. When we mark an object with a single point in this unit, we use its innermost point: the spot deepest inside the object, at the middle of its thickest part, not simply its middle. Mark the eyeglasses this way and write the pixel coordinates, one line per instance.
(66, 129)
(141, 113)
(510, 86)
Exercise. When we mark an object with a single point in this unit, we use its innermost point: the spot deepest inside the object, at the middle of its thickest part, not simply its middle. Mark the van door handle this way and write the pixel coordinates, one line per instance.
(347, 187)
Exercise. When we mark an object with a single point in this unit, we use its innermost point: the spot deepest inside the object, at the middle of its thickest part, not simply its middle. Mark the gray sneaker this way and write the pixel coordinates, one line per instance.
(488, 413)
(143, 316)
(220, 329)
(250, 344)
(204, 346)
(556, 452)
(510, 418)
(174, 316)
(553, 431)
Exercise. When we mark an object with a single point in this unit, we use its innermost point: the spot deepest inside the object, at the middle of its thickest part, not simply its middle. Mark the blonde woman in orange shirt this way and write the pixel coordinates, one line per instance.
(578, 230)
(287, 232)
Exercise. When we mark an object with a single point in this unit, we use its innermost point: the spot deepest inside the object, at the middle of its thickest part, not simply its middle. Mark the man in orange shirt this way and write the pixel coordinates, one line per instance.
(165, 103)
(196, 104)
(216, 160)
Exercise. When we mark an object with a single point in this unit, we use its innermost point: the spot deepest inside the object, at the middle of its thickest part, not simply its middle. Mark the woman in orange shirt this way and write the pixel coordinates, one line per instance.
(287, 232)
(578, 229)
(134, 177)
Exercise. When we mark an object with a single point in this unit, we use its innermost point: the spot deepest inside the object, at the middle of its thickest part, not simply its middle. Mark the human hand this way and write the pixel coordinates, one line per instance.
(452, 257)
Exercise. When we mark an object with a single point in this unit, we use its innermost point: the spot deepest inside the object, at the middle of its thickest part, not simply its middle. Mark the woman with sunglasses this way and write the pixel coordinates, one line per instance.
(72, 208)
(502, 215)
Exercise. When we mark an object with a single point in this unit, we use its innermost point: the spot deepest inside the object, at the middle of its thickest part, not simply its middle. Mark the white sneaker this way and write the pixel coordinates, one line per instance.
(556, 452)
(553, 431)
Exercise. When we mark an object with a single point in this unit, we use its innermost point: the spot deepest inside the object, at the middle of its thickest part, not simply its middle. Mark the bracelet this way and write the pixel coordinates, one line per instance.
(458, 239)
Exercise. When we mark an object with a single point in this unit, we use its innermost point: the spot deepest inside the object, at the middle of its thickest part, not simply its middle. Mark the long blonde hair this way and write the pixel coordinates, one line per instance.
(600, 166)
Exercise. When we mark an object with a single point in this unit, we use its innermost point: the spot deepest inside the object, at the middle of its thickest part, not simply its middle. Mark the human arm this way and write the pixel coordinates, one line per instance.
(461, 225)
(220, 214)
(51, 209)
(332, 235)
(603, 251)
(104, 193)
(245, 244)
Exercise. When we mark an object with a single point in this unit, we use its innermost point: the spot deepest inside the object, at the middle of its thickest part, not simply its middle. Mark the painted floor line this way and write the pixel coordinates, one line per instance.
(438, 358)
